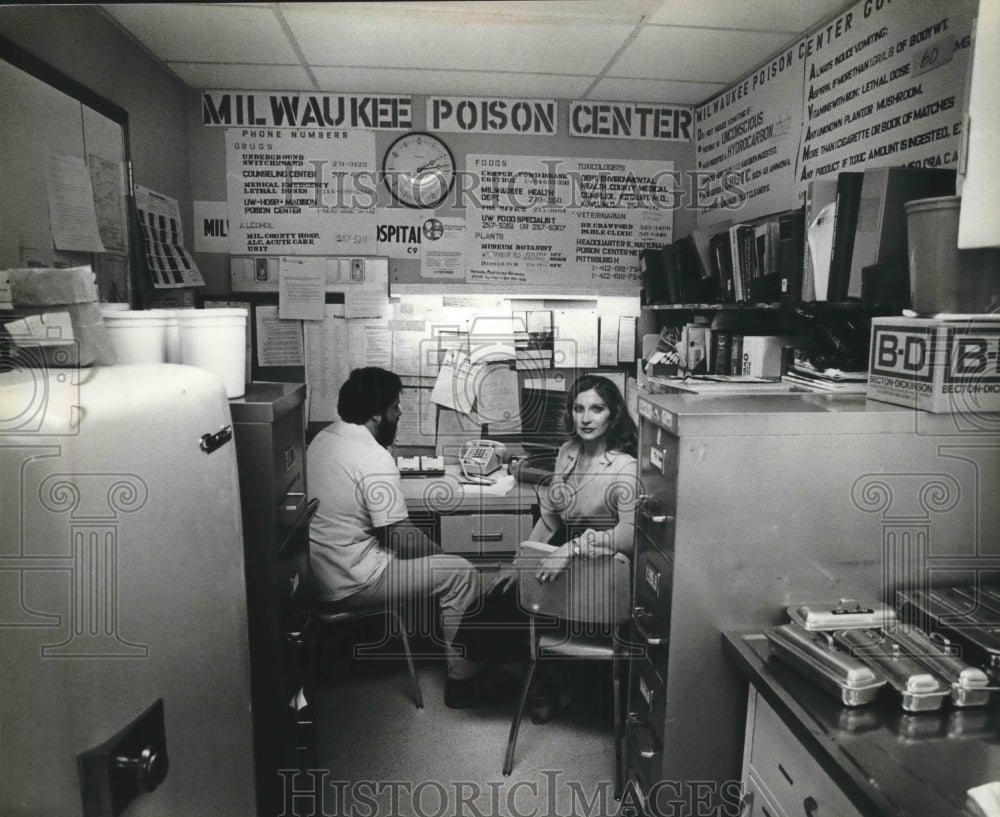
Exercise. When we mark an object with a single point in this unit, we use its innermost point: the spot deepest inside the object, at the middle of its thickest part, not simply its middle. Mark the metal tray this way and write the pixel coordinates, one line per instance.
(852, 681)
(920, 690)
(844, 614)
(969, 685)
(956, 614)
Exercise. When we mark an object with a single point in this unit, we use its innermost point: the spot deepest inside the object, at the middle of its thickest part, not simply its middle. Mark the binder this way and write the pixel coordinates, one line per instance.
(791, 253)
(722, 266)
(819, 193)
(845, 222)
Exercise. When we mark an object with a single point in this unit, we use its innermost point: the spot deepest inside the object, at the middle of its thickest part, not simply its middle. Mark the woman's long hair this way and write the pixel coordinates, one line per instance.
(622, 434)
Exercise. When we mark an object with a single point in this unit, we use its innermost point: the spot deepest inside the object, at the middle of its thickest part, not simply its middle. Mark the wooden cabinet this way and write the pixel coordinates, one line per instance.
(752, 504)
(783, 776)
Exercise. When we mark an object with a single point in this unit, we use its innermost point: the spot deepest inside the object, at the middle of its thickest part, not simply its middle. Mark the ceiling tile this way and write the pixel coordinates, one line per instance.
(206, 32)
(233, 76)
(761, 15)
(630, 11)
(335, 36)
(695, 54)
(457, 83)
(619, 89)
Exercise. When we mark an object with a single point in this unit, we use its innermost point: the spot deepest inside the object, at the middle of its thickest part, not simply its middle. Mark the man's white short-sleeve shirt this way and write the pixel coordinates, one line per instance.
(359, 489)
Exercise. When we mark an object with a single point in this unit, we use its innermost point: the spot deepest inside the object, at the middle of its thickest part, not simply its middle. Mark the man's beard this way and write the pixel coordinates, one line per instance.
(385, 434)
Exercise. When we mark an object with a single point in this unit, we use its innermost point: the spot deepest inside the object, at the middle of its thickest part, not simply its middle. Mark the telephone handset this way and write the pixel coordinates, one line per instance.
(481, 457)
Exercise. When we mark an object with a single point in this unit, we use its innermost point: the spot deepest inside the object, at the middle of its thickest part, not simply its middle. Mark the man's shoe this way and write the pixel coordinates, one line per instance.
(549, 702)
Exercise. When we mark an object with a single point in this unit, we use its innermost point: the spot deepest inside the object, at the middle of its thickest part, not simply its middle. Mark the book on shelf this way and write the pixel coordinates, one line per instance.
(735, 354)
(697, 285)
(790, 255)
(815, 270)
(742, 250)
(672, 275)
(653, 277)
(722, 266)
(720, 352)
(845, 221)
(881, 232)
(700, 238)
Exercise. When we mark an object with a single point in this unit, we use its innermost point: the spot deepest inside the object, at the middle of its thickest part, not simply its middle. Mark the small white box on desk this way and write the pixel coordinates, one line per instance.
(762, 355)
(941, 365)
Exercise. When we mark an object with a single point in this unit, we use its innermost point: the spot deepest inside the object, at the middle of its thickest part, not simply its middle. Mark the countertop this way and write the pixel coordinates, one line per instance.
(801, 413)
(888, 762)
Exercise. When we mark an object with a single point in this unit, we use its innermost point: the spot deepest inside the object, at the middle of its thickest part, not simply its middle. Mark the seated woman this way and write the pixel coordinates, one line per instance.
(589, 505)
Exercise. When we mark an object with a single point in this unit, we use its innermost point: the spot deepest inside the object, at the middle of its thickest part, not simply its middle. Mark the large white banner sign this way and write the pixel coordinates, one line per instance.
(748, 137)
(559, 224)
(879, 85)
(301, 192)
(888, 90)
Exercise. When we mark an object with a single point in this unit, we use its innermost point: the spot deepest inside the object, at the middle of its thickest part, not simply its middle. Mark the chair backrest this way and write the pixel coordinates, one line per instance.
(592, 591)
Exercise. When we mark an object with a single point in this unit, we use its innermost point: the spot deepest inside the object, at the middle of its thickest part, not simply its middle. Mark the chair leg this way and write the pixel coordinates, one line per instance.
(409, 661)
(619, 728)
(508, 761)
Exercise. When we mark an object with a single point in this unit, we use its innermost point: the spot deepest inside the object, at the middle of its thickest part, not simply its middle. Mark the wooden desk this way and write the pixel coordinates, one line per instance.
(473, 520)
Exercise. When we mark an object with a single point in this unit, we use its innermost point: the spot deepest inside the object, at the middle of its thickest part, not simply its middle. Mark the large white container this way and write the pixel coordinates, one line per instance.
(944, 278)
(136, 336)
(122, 582)
(172, 336)
(215, 339)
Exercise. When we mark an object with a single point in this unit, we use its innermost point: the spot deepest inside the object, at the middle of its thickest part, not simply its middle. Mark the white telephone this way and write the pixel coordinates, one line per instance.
(481, 457)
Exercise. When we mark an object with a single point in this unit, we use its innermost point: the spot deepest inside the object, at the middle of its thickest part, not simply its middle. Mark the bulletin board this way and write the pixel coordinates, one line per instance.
(60, 144)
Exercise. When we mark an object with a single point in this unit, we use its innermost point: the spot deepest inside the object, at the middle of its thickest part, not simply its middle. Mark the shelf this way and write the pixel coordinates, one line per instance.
(818, 306)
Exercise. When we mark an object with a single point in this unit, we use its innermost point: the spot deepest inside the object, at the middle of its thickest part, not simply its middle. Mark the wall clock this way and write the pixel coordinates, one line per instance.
(419, 170)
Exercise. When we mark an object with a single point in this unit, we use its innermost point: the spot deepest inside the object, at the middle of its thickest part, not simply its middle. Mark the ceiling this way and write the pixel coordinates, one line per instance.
(659, 51)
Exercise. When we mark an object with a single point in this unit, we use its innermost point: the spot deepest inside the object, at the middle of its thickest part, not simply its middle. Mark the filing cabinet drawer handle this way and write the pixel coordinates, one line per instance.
(648, 637)
(487, 537)
(661, 518)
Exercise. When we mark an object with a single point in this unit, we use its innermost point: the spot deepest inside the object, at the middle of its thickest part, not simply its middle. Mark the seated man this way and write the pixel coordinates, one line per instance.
(364, 551)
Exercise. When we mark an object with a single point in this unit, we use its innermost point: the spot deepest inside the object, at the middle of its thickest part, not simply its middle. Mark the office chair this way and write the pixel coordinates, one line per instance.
(320, 619)
(591, 599)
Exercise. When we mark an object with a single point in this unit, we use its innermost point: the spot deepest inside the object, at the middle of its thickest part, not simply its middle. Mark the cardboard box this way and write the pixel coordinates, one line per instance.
(768, 355)
(937, 365)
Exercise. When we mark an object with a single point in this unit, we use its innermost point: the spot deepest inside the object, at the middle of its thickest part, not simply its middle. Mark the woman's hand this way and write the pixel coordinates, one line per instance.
(552, 565)
(591, 545)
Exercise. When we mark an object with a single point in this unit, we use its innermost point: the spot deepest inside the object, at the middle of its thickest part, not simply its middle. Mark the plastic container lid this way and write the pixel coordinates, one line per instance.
(934, 203)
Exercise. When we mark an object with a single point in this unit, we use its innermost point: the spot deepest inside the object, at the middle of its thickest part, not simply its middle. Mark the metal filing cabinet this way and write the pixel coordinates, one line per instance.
(270, 447)
(753, 503)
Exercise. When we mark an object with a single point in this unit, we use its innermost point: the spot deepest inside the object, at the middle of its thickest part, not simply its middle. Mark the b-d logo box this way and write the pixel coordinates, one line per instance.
(936, 365)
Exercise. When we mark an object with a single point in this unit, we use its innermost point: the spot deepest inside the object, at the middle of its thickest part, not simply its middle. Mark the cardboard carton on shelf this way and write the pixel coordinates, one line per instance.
(944, 364)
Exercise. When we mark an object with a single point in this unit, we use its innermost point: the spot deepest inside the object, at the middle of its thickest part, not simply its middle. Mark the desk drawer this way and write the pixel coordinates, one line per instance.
(788, 772)
(757, 800)
(478, 534)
